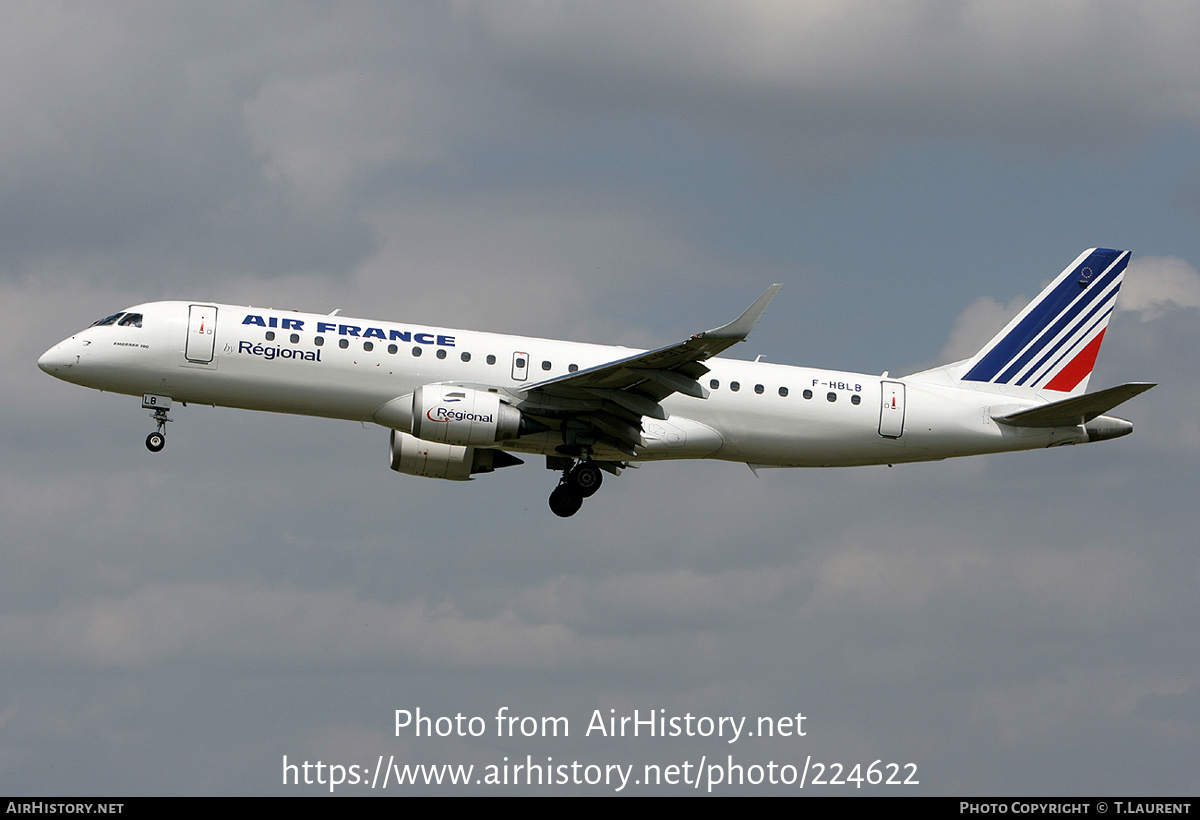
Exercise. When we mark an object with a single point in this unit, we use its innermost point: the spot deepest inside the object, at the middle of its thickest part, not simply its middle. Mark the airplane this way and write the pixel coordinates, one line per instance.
(459, 403)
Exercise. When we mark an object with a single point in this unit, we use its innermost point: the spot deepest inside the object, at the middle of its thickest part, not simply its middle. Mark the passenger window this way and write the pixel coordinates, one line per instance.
(571, 368)
(832, 396)
(758, 388)
(270, 335)
(466, 357)
(295, 337)
(714, 384)
(735, 386)
(343, 343)
(520, 363)
(441, 354)
(808, 394)
(491, 359)
(392, 349)
(131, 319)
(856, 399)
(545, 365)
(783, 391)
(416, 352)
(368, 346)
(318, 340)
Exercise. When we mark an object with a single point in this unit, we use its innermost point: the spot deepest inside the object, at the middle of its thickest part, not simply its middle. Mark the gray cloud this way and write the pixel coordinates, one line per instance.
(626, 173)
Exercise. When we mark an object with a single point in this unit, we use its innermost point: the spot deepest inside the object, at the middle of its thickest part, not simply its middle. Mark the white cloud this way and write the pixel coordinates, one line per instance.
(1155, 284)
(977, 324)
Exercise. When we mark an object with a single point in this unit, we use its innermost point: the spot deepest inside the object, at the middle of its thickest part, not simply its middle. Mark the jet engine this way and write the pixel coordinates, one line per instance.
(433, 459)
(455, 415)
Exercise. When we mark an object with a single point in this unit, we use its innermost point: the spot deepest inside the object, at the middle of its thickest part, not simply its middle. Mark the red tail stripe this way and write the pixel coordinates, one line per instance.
(1078, 368)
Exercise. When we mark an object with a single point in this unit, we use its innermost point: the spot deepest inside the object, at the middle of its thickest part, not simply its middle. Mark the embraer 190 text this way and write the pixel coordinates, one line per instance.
(461, 402)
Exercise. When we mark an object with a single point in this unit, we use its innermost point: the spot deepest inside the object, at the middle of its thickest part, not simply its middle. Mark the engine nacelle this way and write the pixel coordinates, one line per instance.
(460, 415)
(454, 415)
(432, 459)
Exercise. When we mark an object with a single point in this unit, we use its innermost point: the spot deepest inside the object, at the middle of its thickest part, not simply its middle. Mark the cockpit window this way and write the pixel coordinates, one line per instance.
(131, 319)
(108, 320)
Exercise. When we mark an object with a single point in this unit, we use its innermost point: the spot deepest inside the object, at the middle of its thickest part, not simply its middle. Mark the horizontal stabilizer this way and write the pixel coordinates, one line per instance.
(1077, 410)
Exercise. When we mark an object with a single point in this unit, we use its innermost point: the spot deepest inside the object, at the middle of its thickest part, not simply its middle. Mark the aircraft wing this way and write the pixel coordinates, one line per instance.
(1077, 410)
(613, 397)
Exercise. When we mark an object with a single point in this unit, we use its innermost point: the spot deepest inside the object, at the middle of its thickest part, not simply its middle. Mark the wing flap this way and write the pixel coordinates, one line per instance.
(675, 382)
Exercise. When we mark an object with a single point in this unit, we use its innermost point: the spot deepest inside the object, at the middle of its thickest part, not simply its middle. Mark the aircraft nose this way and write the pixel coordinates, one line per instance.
(56, 360)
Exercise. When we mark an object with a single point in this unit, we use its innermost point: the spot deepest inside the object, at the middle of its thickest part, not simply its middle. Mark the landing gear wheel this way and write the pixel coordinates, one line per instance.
(160, 408)
(585, 478)
(564, 501)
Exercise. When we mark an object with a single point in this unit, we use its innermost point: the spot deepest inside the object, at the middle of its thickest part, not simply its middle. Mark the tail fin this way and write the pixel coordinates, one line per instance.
(1052, 344)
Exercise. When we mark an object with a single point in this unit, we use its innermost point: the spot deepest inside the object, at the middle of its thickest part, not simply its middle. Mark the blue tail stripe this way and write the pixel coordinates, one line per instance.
(1070, 338)
(1055, 303)
(1099, 321)
(1092, 294)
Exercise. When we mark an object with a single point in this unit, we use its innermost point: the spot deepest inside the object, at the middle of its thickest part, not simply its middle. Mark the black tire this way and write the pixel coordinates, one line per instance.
(155, 442)
(564, 501)
(585, 478)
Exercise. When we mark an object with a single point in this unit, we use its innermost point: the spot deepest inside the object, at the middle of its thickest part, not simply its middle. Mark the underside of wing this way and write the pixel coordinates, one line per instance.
(605, 404)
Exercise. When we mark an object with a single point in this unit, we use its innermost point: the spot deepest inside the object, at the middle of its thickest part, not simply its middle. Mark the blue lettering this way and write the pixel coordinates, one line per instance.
(353, 330)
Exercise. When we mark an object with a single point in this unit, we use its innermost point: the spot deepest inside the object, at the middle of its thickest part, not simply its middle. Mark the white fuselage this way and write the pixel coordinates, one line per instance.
(337, 367)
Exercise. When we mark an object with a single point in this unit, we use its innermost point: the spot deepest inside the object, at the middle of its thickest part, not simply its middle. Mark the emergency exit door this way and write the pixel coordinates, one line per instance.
(520, 370)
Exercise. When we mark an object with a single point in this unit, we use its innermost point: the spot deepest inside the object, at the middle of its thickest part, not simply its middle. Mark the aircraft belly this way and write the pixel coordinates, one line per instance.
(796, 432)
(678, 437)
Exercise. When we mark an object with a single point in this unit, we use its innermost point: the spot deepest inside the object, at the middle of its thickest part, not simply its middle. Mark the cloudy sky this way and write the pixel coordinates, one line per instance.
(617, 172)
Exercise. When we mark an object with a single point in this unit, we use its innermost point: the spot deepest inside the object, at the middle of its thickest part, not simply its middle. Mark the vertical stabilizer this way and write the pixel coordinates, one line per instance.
(1052, 344)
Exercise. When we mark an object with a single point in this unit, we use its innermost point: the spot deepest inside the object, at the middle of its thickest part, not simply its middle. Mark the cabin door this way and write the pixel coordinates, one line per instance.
(202, 333)
(891, 412)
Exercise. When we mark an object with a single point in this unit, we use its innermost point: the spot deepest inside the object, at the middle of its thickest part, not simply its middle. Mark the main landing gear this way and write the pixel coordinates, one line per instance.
(579, 481)
(159, 407)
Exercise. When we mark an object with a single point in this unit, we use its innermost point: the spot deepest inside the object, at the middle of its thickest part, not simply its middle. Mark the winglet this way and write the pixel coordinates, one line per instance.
(740, 327)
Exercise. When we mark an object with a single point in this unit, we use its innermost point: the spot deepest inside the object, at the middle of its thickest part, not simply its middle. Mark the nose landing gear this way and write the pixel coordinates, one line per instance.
(159, 407)
(579, 481)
